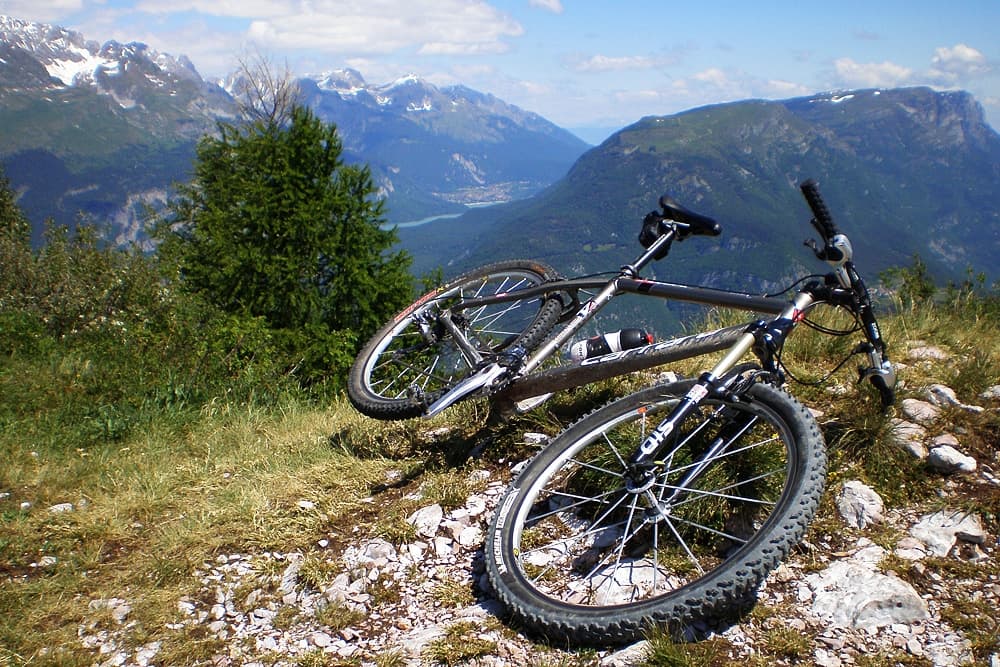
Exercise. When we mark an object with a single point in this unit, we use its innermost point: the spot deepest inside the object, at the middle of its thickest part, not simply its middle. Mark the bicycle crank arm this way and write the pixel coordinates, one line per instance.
(470, 385)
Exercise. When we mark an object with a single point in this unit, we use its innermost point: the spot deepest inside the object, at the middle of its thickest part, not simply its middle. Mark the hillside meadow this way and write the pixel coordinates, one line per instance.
(144, 435)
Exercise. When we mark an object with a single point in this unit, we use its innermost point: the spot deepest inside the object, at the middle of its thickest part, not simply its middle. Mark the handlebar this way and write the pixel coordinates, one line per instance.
(822, 220)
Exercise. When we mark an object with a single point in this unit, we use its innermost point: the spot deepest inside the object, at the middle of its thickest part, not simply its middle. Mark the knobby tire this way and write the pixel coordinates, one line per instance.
(576, 557)
(414, 359)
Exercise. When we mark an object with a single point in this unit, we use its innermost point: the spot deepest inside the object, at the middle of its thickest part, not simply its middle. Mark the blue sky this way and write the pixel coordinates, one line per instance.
(583, 65)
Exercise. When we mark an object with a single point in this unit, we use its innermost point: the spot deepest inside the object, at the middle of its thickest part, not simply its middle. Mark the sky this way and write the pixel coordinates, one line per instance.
(588, 66)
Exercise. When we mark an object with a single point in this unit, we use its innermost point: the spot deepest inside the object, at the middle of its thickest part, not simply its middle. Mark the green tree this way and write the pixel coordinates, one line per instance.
(276, 226)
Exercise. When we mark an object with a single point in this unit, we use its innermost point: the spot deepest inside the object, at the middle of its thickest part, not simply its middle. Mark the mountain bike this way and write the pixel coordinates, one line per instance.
(489, 331)
(662, 507)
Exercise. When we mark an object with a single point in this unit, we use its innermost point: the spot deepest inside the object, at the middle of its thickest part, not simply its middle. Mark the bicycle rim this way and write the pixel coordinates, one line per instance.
(418, 359)
(581, 555)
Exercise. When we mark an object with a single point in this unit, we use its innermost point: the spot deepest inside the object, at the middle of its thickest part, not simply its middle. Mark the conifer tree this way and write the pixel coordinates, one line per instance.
(276, 226)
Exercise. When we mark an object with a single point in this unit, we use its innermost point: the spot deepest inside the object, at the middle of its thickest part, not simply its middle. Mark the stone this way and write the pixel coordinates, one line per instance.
(61, 508)
(939, 531)
(910, 437)
(919, 411)
(824, 658)
(927, 353)
(944, 439)
(320, 639)
(306, 505)
(991, 394)
(859, 505)
(910, 548)
(537, 439)
(379, 553)
(470, 536)
(144, 656)
(426, 520)
(853, 595)
(942, 395)
(475, 506)
(630, 655)
(947, 459)
(290, 576)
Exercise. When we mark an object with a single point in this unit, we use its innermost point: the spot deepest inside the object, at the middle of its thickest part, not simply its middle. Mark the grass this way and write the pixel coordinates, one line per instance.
(158, 506)
(180, 484)
(462, 642)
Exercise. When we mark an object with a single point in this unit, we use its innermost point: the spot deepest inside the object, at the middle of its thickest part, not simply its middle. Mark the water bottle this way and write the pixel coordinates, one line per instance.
(616, 341)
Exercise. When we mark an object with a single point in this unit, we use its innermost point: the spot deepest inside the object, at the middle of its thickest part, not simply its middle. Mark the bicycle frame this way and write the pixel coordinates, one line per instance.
(510, 374)
(525, 384)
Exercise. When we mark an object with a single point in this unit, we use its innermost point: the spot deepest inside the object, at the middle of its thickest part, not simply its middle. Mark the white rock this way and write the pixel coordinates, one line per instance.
(859, 504)
(61, 508)
(475, 505)
(927, 352)
(320, 639)
(947, 459)
(910, 548)
(848, 594)
(306, 505)
(939, 531)
(944, 439)
(290, 576)
(426, 520)
(144, 656)
(991, 394)
(536, 438)
(630, 655)
(470, 536)
(910, 437)
(942, 395)
(442, 546)
(920, 411)
(826, 659)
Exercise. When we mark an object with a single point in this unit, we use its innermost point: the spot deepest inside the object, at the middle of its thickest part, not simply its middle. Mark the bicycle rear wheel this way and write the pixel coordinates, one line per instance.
(414, 359)
(577, 552)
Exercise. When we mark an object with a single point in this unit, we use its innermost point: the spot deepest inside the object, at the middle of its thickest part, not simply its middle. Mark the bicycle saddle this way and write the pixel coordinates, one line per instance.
(697, 223)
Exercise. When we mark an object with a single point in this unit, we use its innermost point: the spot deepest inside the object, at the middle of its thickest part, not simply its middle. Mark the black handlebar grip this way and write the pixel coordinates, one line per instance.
(822, 219)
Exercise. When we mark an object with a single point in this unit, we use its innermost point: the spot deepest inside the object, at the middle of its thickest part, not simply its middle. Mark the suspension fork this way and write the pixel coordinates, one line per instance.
(765, 339)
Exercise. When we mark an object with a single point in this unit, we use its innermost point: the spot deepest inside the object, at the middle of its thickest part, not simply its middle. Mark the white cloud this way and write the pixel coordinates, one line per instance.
(601, 63)
(554, 6)
(851, 74)
(957, 64)
(356, 27)
(362, 27)
(45, 11)
(230, 8)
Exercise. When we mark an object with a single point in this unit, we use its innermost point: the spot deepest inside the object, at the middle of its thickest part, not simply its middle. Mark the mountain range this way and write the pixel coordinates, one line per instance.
(104, 129)
(906, 171)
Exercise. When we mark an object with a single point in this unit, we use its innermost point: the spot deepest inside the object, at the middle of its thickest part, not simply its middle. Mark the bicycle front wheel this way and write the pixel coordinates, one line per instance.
(416, 358)
(580, 550)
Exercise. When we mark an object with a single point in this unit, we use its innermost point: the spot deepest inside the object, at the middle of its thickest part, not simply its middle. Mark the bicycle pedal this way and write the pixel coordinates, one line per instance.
(482, 378)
